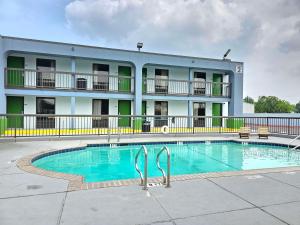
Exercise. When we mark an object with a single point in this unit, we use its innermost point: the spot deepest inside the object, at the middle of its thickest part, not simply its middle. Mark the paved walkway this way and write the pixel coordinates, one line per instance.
(37, 200)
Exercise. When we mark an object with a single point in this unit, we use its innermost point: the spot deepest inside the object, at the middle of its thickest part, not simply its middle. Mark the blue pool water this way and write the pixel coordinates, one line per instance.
(105, 163)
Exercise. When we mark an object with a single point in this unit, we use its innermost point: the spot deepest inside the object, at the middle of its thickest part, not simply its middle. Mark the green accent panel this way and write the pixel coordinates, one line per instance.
(235, 123)
(124, 83)
(138, 124)
(15, 78)
(217, 111)
(217, 87)
(124, 107)
(15, 105)
(144, 87)
(3, 125)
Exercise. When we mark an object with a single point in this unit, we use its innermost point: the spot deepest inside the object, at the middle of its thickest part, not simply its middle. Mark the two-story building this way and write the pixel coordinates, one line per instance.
(43, 77)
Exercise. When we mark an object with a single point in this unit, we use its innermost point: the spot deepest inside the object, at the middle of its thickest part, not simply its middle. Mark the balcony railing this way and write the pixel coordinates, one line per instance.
(185, 88)
(36, 79)
(27, 78)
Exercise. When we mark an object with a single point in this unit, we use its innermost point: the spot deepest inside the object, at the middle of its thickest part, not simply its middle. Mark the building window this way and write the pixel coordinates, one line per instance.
(45, 106)
(161, 113)
(199, 110)
(199, 83)
(101, 78)
(46, 73)
(161, 81)
(100, 107)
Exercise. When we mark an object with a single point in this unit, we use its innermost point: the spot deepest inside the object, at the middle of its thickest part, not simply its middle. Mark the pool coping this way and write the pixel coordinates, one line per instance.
(76, 182)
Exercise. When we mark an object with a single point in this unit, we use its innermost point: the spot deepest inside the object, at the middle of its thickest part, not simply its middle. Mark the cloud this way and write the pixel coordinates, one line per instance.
(117, 20)
(263, 34)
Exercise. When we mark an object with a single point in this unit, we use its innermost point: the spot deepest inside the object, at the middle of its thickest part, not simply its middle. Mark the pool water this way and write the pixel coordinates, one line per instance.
(105, 163)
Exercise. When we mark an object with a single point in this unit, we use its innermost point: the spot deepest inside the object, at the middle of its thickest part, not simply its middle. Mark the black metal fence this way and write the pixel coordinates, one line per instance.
(14, 125)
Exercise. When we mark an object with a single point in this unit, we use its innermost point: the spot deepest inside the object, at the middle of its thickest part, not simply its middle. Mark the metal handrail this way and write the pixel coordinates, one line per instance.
(57, 72)
(144, 177)
(293, 141)
(166, 179)
(184, 81)
(296, 147)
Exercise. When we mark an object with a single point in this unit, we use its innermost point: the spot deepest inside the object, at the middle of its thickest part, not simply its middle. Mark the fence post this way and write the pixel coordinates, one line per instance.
(192, 123)
(133, 123)
(15, 127)
(59, 126)
(289, 125)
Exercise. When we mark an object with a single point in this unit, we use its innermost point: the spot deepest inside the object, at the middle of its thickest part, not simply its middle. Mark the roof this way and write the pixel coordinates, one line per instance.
(115, 49)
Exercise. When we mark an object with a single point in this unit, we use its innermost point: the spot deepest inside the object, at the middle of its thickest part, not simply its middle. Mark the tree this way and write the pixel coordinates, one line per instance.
(297, 108)
(272, 104)
(248, 99)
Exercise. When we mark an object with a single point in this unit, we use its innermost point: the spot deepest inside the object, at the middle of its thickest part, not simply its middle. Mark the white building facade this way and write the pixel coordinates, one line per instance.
(41, 77)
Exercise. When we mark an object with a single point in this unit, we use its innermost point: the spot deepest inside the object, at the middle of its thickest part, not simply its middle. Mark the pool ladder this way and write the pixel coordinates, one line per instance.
(166, 179)
(144, 177)
(297, 146)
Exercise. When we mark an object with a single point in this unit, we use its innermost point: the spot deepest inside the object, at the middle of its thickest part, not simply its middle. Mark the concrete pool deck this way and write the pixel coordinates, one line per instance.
(268, 198)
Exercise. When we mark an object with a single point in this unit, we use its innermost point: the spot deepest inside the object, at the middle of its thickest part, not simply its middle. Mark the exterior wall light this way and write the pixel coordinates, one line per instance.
(226, 54)
(139, 45)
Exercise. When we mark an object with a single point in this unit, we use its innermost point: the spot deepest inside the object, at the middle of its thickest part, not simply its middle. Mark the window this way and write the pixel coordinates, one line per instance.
(161, 111)
(199, 83)
(46, 73)
(199, 110)
(101, 79)
(45, 106)
(100, 107)
(161, 81)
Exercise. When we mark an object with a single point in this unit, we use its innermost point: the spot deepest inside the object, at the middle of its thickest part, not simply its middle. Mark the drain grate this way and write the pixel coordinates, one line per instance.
(290, 173)
(254, 177)
(34, 187)
(155, 184)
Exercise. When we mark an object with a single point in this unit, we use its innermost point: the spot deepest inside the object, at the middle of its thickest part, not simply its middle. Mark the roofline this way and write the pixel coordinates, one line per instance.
(116, 49)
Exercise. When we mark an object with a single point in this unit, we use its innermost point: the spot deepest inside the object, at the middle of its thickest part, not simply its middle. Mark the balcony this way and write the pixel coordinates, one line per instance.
(36, 79)
(55, 80)
(153, 86)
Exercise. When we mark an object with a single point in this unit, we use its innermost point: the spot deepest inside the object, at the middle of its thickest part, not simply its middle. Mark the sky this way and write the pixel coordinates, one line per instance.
(264, 34)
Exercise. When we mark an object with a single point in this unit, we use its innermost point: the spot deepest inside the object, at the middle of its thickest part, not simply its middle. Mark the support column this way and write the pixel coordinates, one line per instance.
(138, 96)
(138, 83)
(73, 98)
(236, 99)
(73, 70)
(190, 103)
(190, 113)
(191, 78)
(2, 84)
(73, 105)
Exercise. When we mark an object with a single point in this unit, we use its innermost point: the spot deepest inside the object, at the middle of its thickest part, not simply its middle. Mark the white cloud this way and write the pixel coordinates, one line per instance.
(264, 34)
(119, 20)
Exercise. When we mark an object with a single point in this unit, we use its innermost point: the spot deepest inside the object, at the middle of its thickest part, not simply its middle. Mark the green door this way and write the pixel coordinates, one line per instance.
(144, 87)
(15, 78)
(217, 111)
(15, 105)
(124, 108)
(217, 86)
(124, 82)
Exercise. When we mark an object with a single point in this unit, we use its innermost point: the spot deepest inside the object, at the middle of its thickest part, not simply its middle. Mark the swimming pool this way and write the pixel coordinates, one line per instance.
(104, 163)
